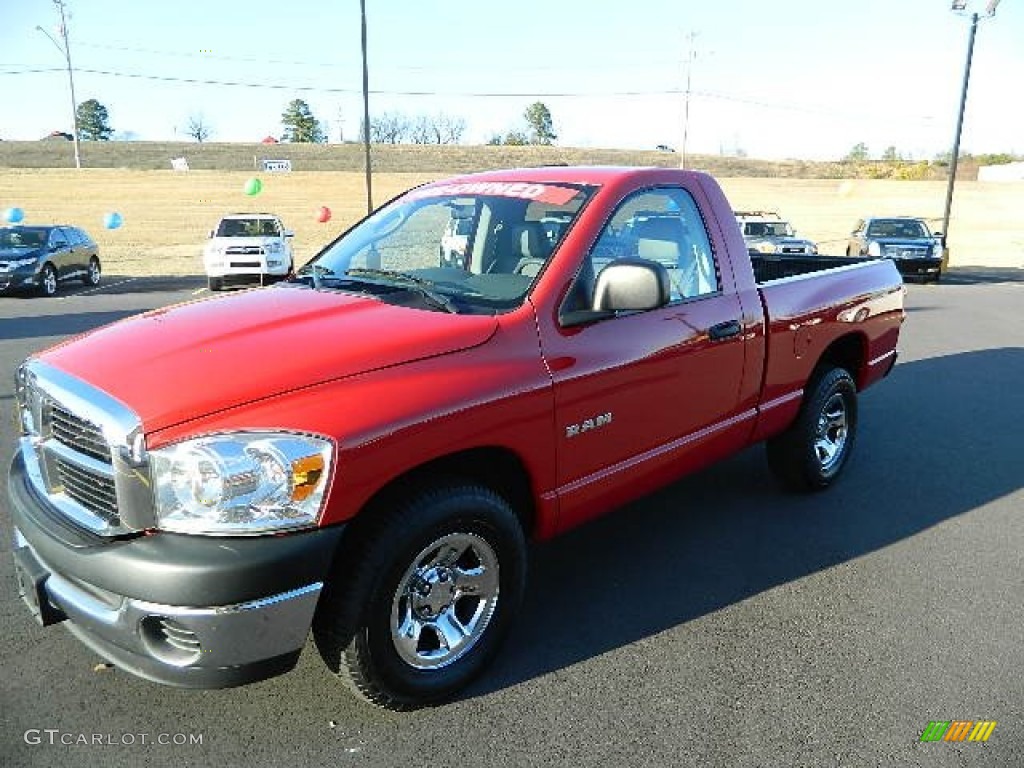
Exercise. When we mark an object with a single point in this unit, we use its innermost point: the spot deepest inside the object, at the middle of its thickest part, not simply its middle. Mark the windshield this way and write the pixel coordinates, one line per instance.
(908, 228)
(767, 229)
(404, 253)
(22, 238)
(248, 228)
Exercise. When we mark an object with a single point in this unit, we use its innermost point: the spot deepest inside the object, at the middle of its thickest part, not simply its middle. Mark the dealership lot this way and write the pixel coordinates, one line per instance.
(718, 622)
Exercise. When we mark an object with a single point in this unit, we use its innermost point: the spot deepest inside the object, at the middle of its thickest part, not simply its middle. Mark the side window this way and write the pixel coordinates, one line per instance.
(57, 239)
(662, 225)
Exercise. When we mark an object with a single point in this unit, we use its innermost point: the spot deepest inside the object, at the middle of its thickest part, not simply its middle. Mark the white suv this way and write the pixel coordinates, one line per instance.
(247, 247)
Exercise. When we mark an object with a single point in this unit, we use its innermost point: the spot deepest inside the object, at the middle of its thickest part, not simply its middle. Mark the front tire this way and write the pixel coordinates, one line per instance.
(422, 605)
(48, 281)
(811, 454)
(215, 283)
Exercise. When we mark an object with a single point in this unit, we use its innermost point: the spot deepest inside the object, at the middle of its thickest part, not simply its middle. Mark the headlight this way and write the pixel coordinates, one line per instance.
(241, 483)
(28, 406)
(272, 248)
(766, 247)
(813, 248)
(937, 251)
(874, 249)
(21, 262)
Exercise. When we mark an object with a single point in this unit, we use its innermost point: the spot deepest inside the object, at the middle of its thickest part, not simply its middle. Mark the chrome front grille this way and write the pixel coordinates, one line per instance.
(92, 490)
(77, 433)
(253, 250)
(83, 451)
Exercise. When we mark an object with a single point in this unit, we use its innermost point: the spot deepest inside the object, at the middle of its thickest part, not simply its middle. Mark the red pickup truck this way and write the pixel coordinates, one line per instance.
(365, 449)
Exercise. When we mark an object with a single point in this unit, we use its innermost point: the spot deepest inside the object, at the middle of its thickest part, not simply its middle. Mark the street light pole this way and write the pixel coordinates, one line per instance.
(990, 10)
(686, 102)
(66, 51)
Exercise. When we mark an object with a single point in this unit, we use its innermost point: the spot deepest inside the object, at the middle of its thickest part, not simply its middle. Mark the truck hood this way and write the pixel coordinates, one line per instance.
(193, 359)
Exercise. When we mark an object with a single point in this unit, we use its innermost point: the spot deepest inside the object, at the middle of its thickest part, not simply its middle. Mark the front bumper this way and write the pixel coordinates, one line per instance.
(924, 267)
(248, 266)
(20, 278)
(190, 611)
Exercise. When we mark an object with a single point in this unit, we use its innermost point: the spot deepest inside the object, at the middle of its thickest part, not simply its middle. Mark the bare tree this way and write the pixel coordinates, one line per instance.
(448, 129)
(421, 130)
(389, 128)
(198, 127)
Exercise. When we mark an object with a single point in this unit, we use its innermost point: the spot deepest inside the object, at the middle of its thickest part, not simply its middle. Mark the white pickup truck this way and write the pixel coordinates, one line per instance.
(248, 247)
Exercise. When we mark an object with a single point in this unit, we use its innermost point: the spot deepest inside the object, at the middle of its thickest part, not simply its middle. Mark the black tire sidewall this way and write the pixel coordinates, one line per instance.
(465, 510)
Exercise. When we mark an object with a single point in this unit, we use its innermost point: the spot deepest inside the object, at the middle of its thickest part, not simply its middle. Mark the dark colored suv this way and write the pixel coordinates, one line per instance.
(40, 258)
(907, 241)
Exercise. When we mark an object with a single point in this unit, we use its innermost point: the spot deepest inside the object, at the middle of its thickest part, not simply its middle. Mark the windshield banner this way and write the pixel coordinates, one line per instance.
(542, 193)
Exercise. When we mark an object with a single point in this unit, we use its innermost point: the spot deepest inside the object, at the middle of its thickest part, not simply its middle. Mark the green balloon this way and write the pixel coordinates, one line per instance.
(253, 187)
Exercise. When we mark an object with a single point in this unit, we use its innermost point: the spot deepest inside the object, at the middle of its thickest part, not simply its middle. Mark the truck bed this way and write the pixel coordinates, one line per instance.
(769, 267)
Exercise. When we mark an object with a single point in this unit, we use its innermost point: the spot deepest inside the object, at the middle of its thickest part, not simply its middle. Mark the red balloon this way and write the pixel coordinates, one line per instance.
(323, 214)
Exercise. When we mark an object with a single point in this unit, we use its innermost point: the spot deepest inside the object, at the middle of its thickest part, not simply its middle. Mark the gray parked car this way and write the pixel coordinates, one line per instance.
(41, 258)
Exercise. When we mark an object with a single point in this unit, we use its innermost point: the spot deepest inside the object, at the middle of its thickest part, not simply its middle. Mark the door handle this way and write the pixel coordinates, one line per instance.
(724, 330)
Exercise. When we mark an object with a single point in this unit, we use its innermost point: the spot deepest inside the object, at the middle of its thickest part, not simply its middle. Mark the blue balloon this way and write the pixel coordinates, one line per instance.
(14, 215)
(112, 220)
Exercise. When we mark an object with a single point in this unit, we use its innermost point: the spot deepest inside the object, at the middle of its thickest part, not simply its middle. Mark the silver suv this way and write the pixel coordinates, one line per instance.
(766, 232)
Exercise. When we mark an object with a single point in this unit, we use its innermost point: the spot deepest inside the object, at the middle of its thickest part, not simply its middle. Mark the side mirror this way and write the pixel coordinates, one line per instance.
(210, 234)
(937, 234)
(632, 285)
(289, 233)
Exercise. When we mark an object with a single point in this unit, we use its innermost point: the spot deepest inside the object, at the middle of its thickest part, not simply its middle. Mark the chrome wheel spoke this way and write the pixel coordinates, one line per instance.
(407, 634)
(479, 582)
(451, 634)
(445, 556)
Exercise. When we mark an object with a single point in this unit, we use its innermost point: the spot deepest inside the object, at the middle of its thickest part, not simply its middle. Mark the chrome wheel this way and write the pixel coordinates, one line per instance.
(831, 432)
(93, 275)
(444, 601)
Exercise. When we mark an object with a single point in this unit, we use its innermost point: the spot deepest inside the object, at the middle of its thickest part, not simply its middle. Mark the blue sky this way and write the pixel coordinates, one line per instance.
(791, 78)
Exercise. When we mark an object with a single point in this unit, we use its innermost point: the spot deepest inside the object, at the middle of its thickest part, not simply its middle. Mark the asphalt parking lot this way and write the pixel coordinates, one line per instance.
(719, 622)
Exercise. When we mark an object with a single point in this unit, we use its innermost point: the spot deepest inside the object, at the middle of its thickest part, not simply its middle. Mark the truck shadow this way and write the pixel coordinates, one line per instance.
(931, 447)
(982, 275)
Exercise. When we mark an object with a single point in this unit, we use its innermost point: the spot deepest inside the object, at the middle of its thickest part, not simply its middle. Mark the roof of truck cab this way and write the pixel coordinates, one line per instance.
(566, 174)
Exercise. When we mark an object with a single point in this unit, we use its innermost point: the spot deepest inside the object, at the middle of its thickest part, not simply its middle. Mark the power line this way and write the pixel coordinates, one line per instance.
(711, 95)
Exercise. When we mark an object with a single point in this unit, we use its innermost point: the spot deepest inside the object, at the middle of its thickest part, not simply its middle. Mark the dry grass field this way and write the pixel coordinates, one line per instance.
(167, 215)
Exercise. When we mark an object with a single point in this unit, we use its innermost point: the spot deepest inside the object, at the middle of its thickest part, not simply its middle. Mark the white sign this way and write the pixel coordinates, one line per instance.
(179, 163)
(277, 166)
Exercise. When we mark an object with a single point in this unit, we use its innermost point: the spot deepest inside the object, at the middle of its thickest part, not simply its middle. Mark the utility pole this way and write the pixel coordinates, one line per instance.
(960, 6)
(686, 101)
(366, 114)
(66, 51)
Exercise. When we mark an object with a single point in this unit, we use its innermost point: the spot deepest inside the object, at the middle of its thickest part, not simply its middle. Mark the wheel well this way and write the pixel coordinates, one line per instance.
(848, 352)
(498, 469)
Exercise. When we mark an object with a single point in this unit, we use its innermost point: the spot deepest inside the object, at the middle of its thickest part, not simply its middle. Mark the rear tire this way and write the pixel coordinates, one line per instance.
(215, 283)
(93, 273)
(811, 454)
(425, 596)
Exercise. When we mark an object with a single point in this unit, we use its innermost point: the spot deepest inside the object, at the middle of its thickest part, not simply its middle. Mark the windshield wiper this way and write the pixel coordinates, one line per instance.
(417, 283)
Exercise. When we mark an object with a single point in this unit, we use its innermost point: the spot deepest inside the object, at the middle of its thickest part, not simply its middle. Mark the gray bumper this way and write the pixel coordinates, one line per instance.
(203, 647)
(190, 611)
